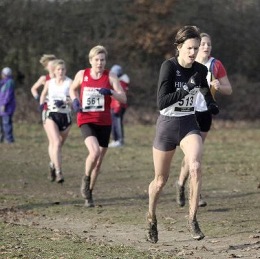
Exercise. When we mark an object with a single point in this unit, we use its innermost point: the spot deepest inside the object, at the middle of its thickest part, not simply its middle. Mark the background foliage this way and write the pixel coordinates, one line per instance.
(138, 35)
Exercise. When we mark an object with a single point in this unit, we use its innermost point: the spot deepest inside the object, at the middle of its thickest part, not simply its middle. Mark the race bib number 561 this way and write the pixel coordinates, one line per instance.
(92, 100)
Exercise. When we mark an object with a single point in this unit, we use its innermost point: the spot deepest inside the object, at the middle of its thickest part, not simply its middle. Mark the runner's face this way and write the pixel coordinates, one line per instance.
(188, 51)
(98, 63)
(205, 47)
(60, 71)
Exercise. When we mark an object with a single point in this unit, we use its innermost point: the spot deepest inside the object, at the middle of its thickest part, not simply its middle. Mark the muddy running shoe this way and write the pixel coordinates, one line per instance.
(202, 203)
(152, 235)
(180, 194)
(52, 174)
(59, 177)
(85, 189)
(194, 229)
(89, 203)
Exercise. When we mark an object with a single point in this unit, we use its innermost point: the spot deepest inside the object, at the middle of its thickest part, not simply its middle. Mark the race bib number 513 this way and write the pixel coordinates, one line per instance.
(92, 100)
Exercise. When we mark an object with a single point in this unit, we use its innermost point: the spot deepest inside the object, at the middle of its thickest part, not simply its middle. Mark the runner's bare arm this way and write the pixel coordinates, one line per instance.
(222, 85)
(44, 93)
(34, 89)
(74, 87)
(118, 92)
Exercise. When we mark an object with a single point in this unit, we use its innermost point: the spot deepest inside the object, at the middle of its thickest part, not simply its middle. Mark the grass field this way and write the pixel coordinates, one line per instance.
(40, 219)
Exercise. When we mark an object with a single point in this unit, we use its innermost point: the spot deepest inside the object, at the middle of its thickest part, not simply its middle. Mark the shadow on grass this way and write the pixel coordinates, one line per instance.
(30, 206)
(103, 202)
(134, 200)
(255, 245)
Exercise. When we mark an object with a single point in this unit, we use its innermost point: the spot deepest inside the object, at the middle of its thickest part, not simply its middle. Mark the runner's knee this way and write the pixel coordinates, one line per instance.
(94, 156)
(56, 143)
(195, 169)
(160, 182)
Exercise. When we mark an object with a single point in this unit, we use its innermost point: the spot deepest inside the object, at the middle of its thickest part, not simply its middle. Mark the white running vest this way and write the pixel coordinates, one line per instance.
(201, 105)
(59, 92)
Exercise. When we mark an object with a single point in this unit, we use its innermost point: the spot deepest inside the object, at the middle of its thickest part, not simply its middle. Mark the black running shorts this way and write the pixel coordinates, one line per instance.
(171, 130)
(102, 133)
(62, 120)
(204, 120)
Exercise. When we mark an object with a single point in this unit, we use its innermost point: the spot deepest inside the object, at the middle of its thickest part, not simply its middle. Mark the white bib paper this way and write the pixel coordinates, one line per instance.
(92, 100)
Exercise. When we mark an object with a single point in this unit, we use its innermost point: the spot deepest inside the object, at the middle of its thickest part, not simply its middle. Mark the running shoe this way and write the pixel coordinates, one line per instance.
(52, 173)
(152, 235)
(85, 189)
(202, 203)
(59, 177)
(115, 143)
(89, 203)
(180, 194)
(194, 229)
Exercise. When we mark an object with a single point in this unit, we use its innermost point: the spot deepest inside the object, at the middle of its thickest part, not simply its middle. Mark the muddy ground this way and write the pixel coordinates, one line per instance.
(231, 187)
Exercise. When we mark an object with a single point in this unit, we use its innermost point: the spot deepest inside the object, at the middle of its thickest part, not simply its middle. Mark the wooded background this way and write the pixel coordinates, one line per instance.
(138, 35)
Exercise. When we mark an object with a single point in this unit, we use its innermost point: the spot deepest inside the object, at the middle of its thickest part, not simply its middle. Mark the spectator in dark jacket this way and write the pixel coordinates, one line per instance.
(7, 105)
